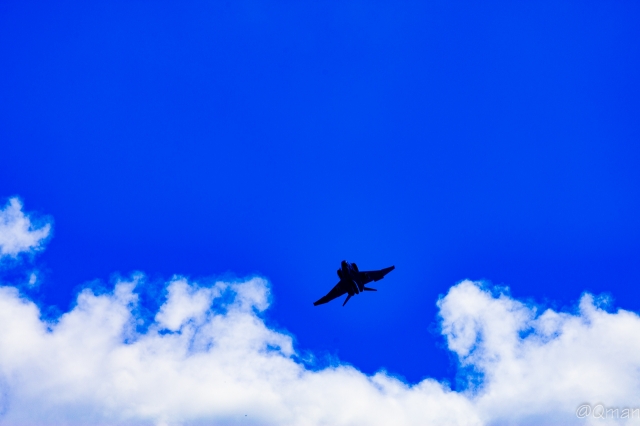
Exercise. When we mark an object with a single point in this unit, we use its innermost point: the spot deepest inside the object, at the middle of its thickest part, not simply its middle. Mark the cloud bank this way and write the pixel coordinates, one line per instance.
(18, 234)
(207, 356)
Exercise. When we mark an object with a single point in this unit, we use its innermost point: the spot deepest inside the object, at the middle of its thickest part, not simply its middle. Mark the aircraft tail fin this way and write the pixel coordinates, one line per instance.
(346, 300)
(370, 289)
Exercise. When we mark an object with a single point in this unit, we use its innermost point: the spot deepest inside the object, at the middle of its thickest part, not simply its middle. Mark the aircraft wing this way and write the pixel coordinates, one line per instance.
(368, 276)
(336, 291)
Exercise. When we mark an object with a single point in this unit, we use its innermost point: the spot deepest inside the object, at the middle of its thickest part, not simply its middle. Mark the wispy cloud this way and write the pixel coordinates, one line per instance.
(18, 234)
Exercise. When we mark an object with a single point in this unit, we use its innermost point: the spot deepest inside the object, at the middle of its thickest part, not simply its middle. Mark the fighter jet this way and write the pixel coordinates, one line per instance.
(352, 281)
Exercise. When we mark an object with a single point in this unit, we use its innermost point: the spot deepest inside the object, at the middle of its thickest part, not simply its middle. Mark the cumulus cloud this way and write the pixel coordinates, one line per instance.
(209, 358)
(18, 234)
(538, 368)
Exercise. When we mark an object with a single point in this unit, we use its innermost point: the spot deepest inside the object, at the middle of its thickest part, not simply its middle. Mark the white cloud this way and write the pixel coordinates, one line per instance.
(193, 365)
(538, 368)
(209, 358)
(17, 232)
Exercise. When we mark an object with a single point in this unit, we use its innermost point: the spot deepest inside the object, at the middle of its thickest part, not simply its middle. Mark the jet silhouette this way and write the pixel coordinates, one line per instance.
(352, 281)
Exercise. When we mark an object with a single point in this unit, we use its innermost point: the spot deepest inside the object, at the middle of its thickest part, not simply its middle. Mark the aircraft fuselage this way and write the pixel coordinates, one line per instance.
(348, 273)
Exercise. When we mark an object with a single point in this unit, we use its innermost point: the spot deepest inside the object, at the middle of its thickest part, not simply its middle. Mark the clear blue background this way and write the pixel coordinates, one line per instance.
(455, 140)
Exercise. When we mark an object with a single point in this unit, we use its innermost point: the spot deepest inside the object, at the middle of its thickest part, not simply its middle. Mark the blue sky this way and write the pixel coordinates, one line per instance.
(454, 140)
